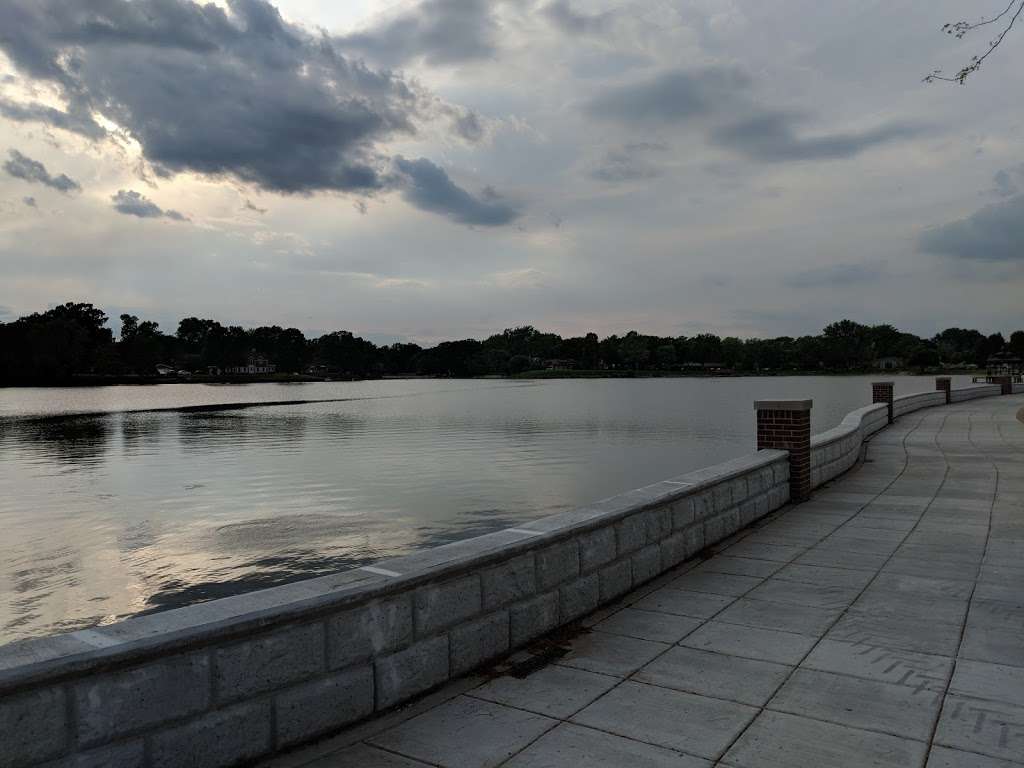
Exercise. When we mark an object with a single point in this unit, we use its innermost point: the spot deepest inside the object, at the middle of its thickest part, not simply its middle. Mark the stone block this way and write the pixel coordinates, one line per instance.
(438, 606)
(579, 597)
(120, 703)
(630, 533)
(704, 505)
(646, 564)
(33, 726)
(684, 512)
(597, 548)
(532, 618)
(673, 550)
(739, 489)
(407, 673)
(748, 512)
(362, 633)
(515, 579)
(269, 661)
(479, 641)
(224, 737)
(781, 472)
(723, 496)
(615, 579)
(657, 524)
(127, 754)
(557, 563)
(323, 705)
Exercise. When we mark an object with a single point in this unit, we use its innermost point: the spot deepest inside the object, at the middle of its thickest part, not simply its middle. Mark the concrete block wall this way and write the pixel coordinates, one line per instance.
(835, 451)
(232, 680)
(1018, 389)
(910, 403)
(975, 391)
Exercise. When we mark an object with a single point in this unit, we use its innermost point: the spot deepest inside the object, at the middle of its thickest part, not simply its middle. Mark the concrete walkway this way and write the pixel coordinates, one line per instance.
(879, 624)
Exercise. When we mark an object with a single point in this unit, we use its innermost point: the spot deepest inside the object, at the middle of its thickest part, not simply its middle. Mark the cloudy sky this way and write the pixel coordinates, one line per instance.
(447, 168)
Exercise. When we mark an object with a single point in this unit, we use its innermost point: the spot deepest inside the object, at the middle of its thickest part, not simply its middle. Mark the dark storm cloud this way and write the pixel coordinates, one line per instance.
(245, 93)
(573, 22)
(438, 31)
(132, 203)
(429, 188)
(74, 119)
(631, 162)
(669, 97)
(836, 275)
(772, 137)
(21, 167)
(994, 233)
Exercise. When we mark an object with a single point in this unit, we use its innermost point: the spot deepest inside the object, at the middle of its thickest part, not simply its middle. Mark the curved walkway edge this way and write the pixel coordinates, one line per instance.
(879, 624)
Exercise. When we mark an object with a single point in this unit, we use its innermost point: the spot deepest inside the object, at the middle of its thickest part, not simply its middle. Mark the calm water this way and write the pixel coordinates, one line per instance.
(109, 508)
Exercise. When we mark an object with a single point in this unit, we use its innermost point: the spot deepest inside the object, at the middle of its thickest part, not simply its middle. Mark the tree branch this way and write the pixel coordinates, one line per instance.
(960, 29)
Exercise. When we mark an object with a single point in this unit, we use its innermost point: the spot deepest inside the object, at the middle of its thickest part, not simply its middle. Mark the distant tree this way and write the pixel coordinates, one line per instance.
(924, 356)
(665, 356)
(633, 350)
(1001, 23)
(1017, 343)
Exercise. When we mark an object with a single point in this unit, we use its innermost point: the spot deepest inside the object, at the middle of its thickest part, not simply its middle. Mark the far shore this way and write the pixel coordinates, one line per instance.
(89, 380)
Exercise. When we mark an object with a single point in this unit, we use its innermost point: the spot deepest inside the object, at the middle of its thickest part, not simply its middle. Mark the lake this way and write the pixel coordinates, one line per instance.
(111, 508)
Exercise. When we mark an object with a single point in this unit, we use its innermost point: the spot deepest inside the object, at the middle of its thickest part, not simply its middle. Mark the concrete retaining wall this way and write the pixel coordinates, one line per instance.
(232, 680)
(910, 403)
(1018, 389)
(835, 451)
(975, 391)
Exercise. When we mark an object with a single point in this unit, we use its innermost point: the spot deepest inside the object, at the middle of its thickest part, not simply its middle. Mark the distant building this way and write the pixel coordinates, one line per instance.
(890, 363)
(254, 364)
(561, 365)
(165, 370)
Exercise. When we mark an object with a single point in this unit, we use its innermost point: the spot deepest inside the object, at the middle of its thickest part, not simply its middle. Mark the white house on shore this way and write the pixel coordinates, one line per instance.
(254, 364)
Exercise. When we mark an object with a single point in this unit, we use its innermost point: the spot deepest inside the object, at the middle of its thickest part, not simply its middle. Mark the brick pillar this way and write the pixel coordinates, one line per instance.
(945, 384)
(785, 425)
(1006, 382)
(881, 392)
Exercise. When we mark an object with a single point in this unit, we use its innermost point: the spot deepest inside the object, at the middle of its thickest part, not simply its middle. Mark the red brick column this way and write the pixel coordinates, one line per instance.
(785, 425)
(945, 384)
(1006, 382)
(881, 392)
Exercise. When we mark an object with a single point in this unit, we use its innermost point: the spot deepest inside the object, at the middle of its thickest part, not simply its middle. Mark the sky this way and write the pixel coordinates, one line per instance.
(439, 169)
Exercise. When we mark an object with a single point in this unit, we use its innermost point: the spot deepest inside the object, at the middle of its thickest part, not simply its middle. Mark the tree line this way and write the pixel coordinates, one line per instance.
(73, 340)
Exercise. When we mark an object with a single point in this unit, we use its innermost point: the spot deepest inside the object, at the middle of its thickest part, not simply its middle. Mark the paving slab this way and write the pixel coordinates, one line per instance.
(777, 740)
(982, 680)
(574, 745)
(988, 727)
(740, 566)
(867, 704)
(554, 691)
(439, 737)
(908, 633)
(750, 642)
(801, 593)
(731, 585)
(610, 654)
(887, 665)
(799, 619)
(648, 625)
(943, 757)
(694, 724)
(715, 674)
(681, 602)
(829, 577)
(365, 756)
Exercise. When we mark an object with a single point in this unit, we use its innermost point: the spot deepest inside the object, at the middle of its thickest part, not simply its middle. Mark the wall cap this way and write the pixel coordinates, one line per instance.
(783, 405)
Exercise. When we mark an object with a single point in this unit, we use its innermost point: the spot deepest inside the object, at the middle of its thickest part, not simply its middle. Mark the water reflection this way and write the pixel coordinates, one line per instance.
(111, 515)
